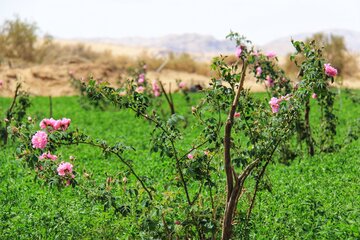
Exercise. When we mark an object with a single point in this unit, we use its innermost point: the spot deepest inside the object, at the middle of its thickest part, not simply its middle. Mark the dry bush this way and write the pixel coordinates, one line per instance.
(17, 39)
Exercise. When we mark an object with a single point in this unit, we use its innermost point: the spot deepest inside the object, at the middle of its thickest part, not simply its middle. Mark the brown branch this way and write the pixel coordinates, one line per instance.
(9, 113)
(168, 99)
(232, 203)
(227, 136)
(309, 140)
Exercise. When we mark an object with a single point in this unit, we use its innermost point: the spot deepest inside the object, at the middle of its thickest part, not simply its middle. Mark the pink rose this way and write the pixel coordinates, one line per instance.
(156, 93)
(270, 82)
(238, 51)
(141, 78)
(271, 54)
(140, 89)
(64, 123)
(182, 84)
(237, 115)
(258, 71)
(39, 140)
(255, 53)
(190, 156)
(286, 97)
(314, 96)
(155, 88)
(48, 155)
(65, 168)
(329, 70)
(274, 104)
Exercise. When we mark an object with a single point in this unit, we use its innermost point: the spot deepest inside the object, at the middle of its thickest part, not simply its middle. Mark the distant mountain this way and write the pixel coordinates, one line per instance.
(283, 46)
(204, 46)
(189, 43)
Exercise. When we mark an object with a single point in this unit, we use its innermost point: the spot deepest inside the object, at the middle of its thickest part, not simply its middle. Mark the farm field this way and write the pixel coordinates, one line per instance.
(308, 198)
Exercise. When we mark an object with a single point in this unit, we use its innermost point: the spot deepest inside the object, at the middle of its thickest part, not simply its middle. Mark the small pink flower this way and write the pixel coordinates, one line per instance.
(270, 82)
(238, 51)
(237, 115)
(329, 70)
(39, 140)
(182, 84)
(141, 78)
(286, 97)
(274, 104)
(190, 156)
(206, 152)
(156, 93)
(271, 54)
(314, 96)
(64, 123)
(258, 71)
(48, 155)
(155, 88)
(65, 168)
(140, 89)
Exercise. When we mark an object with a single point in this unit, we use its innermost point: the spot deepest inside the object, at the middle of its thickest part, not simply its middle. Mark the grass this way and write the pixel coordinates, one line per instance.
(313, 198)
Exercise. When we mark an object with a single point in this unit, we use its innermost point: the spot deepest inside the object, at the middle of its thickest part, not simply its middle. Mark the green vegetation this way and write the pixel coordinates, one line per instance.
(312, 198)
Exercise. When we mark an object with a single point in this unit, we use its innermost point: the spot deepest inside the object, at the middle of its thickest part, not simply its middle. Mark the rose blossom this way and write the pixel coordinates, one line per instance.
(314, 96)
(64, 123)
(155, 88)
(39, 140)
(329, 70)
(274, 104)
(48, 155)
(190, 156)
(237, 115)
(65, 168)
(270, 82)
(258, 71)
(141, 78)
(271, 54)
(238, 51)
(182, 84)
(140, 89)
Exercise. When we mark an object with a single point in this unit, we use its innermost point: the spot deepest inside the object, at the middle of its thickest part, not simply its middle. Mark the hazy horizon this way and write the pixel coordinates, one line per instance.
(261, 21)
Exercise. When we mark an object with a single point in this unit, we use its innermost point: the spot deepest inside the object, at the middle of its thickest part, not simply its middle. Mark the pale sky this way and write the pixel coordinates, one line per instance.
(261, 21)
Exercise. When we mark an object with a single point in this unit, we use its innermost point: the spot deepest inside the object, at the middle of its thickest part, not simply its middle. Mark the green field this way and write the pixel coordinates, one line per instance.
(311, 198)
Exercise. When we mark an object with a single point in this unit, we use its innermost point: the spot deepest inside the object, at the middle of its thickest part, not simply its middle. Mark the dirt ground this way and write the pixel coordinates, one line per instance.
(54, 80)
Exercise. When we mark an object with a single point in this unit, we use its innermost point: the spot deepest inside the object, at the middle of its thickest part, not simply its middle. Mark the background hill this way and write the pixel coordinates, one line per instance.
(203, 46)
